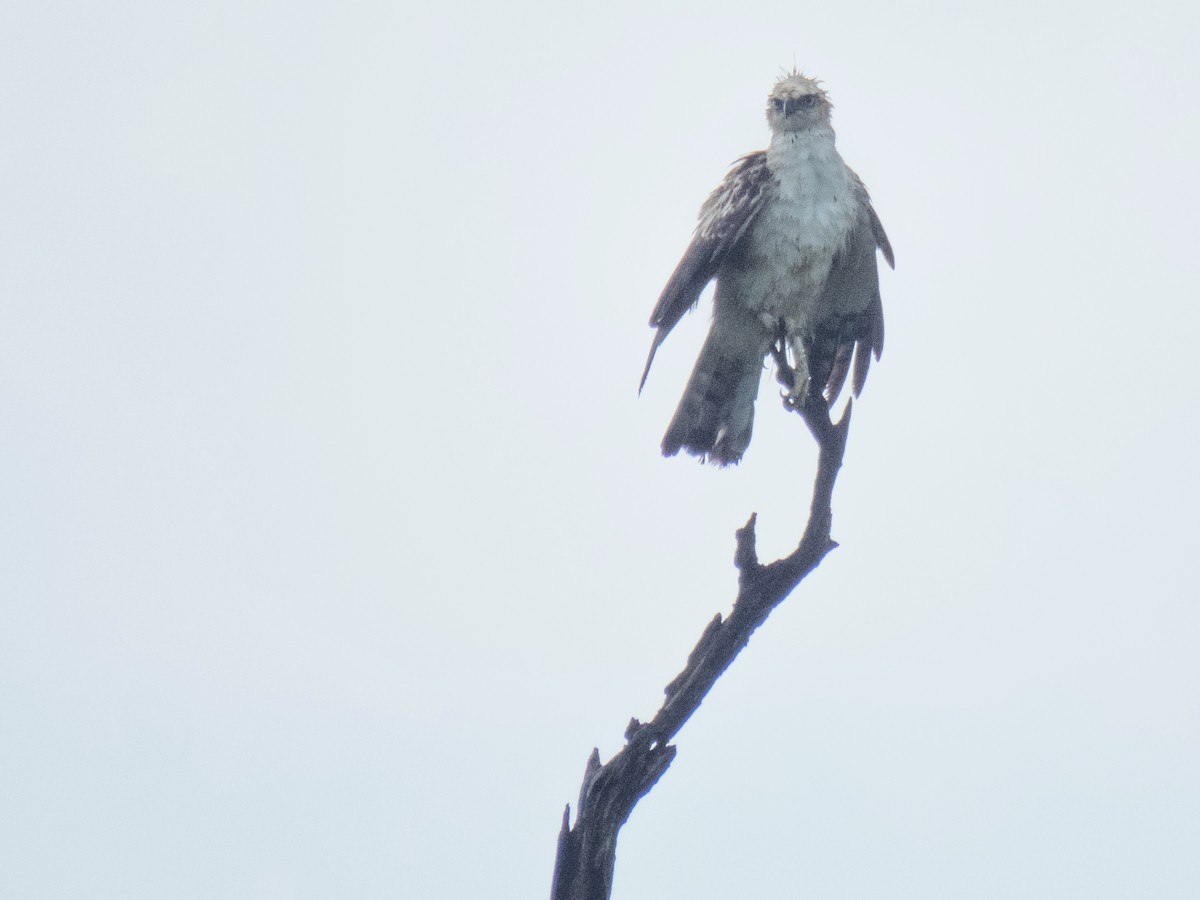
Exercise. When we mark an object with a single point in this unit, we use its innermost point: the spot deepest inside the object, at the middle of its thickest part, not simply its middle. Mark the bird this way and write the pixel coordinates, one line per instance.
(790, 237)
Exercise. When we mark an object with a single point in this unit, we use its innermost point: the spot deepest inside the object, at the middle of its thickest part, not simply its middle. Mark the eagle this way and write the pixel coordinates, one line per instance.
(790, 237)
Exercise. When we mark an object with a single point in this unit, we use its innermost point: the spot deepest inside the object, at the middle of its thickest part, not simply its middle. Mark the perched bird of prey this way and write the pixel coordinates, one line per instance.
(790, 237)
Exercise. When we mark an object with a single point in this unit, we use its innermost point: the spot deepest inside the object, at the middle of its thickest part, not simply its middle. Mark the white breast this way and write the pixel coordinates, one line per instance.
(803, 223)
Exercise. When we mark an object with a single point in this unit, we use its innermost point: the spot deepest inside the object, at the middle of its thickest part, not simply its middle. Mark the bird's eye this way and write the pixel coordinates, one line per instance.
(808, 100)
(780, 105)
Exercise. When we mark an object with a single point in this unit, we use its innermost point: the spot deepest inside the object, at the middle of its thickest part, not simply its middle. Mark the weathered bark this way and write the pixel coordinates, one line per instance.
(586, 855)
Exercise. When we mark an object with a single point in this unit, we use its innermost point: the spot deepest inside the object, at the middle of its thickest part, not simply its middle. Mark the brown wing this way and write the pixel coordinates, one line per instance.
(870, 343)
(854, 274)
(724, 218)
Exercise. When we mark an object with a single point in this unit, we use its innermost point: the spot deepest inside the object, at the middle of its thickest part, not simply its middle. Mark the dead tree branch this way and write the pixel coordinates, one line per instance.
(586, 854)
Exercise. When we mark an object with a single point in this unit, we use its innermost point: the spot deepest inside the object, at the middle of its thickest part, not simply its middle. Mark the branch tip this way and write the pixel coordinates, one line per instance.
(745, 554)
(593, 762)
(843, 424)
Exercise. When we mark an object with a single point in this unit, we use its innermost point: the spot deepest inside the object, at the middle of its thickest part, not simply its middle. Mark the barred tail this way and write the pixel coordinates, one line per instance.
(715, 418)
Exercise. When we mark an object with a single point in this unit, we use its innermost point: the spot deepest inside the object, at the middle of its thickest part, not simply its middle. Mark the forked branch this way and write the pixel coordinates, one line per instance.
(586, 854)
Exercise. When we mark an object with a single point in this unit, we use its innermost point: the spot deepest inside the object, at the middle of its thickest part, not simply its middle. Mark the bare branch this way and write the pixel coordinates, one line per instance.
(586, 854)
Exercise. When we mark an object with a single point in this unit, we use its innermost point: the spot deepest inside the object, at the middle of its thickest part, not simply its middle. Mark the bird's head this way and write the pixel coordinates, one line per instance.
(797, 103)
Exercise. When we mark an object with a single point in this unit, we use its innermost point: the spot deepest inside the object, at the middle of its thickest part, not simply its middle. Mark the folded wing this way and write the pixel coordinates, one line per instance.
(853, 283)
(724, 218)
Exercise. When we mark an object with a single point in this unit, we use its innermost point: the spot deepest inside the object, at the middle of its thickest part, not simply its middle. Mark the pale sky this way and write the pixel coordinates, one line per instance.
(335, 534)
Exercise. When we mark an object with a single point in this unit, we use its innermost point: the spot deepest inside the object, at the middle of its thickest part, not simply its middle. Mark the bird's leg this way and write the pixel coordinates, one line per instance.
(784, 373)
(813, 408)
(792, 375)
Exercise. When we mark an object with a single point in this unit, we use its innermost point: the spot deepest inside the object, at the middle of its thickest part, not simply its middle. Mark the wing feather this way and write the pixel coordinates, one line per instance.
(881, 238)
(855, 275)
(724, 218)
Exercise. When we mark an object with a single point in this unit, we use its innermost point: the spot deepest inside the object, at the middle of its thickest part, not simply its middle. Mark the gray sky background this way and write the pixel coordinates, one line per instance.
(335, 534)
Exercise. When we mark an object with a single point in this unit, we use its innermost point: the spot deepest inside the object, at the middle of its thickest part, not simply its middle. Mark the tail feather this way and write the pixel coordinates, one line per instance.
(715, 418)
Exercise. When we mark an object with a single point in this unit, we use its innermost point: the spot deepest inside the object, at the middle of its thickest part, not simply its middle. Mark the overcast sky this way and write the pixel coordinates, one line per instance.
(335, 534)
